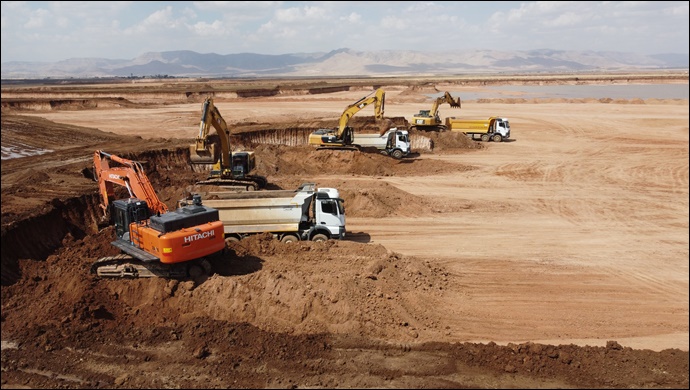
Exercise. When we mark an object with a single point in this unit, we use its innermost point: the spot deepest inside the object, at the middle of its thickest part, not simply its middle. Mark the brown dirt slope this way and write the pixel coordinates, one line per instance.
(335, 314)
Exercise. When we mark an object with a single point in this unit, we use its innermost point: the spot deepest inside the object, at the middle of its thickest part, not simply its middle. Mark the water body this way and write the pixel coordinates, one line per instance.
(21, 150)
(630, 91)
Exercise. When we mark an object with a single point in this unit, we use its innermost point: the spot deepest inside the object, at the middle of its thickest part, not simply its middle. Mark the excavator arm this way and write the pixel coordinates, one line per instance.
(344, 132)
(203, 150)
(130, 174)
(446, 98)
(343, 137)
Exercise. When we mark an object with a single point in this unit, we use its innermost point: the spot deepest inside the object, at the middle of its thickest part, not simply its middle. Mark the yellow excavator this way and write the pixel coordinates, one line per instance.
(229, 169)
(430, 120)
(343, 138)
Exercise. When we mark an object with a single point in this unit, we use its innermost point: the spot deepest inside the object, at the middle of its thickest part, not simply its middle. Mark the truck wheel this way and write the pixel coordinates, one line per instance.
(497, 138)
(288, 238)
(319, 238)
(485, 138)
(397, 154)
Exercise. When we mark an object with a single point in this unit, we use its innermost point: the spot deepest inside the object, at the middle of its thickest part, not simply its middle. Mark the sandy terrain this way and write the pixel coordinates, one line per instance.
(558, 259)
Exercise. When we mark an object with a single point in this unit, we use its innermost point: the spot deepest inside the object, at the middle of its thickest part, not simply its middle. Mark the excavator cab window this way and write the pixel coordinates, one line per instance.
(242, 164)
(238, 171)
(348, 135)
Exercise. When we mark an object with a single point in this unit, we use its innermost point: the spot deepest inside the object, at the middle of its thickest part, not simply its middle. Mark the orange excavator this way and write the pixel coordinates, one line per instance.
(154, 241)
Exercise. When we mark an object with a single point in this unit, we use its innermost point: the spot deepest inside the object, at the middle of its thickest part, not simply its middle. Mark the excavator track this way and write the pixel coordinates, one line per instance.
(126, 266)
(343, 147)
(437, 128)
(252, 183)
(247, 185)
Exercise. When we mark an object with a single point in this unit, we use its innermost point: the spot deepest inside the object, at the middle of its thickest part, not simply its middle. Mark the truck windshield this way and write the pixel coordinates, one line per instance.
(333, 206)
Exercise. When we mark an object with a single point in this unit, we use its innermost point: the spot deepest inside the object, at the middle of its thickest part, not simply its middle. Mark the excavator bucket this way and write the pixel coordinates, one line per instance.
(455, 103)
(203, 155)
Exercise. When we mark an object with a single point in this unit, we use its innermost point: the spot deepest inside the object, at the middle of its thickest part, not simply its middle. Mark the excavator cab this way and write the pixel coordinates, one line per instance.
(242, 164)
(348, 135)
(126, 211)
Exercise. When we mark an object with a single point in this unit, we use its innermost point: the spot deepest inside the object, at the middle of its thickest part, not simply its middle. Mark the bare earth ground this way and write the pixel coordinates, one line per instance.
(556, 260)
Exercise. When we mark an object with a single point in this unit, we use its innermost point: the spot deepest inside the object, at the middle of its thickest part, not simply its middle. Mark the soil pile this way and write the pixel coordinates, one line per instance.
(347, 313)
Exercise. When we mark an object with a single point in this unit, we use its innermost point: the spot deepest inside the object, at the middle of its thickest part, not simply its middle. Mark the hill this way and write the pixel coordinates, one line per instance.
(342, 62)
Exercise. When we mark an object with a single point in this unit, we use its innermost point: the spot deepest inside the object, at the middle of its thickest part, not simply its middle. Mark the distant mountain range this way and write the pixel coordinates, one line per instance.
(343, 62)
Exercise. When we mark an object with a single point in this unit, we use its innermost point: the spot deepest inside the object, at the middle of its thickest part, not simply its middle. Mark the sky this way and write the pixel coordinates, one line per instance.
(50, 31)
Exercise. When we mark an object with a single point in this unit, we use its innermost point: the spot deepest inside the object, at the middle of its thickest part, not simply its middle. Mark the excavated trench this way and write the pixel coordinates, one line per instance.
(39, 236)
(279, 151)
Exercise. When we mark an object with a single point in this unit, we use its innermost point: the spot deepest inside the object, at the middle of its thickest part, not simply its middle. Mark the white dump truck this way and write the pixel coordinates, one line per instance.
(307, 213)
(393, 142)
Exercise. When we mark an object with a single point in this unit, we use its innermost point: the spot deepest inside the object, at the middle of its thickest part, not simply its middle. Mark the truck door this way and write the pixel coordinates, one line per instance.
(330, 214)
(504, 128)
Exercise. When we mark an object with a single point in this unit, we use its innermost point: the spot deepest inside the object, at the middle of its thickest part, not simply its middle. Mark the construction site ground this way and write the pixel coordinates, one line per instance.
(558, 259)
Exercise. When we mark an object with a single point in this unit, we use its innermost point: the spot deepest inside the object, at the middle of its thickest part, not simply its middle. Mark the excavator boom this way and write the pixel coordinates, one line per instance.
(203, 150)
(379, 101)
(130, 174)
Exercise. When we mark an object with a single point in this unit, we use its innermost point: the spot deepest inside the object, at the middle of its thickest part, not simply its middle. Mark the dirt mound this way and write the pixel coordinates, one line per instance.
(349, 313)
(446, 141)
(278, 161)
(359, 322)
(61, 289)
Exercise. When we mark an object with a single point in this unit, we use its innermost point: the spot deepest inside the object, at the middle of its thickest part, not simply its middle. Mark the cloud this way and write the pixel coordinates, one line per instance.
(49, 31)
